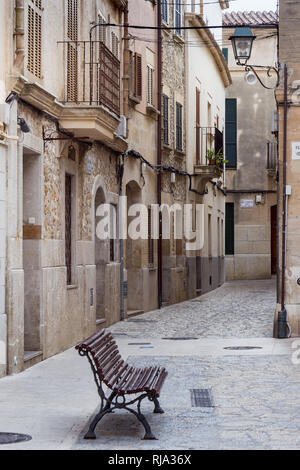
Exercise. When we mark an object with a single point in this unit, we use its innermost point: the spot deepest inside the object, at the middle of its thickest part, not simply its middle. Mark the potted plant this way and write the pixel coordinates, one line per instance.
(216, 159)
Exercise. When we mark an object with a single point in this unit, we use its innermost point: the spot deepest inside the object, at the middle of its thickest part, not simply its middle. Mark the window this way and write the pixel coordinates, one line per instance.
(166, 119)
(198, 141)
(34, 38)
(178, 16)
(164, 7)
(72, 35)
(150, 77)
(231, 132)
(178, 126)
(136, 75)
(229, 228)
(150, 239)
(68, 227)
(225, 53)
(102, 29)
(115, 45)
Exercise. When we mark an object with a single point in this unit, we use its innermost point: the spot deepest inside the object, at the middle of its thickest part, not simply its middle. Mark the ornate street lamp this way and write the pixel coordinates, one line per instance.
(242, 43)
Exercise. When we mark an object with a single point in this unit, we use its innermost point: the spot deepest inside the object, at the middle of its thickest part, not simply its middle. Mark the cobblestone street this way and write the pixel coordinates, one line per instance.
(255, 392)
(241, 309)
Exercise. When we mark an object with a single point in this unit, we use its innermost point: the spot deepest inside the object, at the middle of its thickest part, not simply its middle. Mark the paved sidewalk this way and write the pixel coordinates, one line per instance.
(256, 392)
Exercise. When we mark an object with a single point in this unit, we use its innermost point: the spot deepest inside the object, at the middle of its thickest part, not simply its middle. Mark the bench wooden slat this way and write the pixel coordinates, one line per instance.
(84, 344)
(102, 355)
(129, 385)
(149, 373)
(113, 377)
(127, 374)
(156, 387)
(97, 345)
(112, 362)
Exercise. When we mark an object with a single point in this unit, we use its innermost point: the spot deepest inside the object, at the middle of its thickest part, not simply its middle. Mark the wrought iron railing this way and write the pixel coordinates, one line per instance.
(210, 141)
(92, 75)
(272, 151)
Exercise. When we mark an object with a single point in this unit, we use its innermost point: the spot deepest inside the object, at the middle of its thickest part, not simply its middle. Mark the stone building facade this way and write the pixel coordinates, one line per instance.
(251, 143)
(79, 128)
(289, 38)
(207, 81)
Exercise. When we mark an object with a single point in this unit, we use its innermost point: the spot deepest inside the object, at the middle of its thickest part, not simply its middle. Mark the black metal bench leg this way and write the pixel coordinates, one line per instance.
(91, 432)
(157, 408)
(148, 433)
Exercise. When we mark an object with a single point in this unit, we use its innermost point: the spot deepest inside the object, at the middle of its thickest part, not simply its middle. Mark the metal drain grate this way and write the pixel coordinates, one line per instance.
(242, 348)
(202, 398)
(12, 438)
(184, 338)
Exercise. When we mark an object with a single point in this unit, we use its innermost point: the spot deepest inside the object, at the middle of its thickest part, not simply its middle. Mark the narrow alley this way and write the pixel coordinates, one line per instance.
(204, 344)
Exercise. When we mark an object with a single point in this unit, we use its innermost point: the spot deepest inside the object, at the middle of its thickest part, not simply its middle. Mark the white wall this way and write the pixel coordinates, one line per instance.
(204, 74)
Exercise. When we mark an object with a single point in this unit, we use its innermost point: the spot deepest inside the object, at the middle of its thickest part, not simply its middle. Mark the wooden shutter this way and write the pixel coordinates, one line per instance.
(178, 126)
(68, 227)
(150, 85)
(34, 38)
(102, 29)
(197, 125)
(231, 132)
(166, 119)
(72, 34)
(138, 76)
(229, 228)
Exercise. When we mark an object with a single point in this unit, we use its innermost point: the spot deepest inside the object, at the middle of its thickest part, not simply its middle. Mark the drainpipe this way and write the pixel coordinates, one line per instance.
(19, 33)
(159, 159)
(282, 314)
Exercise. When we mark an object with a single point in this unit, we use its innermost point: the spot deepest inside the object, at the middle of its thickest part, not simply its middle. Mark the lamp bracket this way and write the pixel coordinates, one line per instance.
(268, 69)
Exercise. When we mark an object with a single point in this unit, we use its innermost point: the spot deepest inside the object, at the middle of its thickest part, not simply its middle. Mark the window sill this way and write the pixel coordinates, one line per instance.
(178, 38)
(134, 99)
(152, 269)
(152, 110)
(167, 147)
(179, 153)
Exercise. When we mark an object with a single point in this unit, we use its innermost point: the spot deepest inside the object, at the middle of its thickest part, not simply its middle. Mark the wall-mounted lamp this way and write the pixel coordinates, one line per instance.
(23, 125)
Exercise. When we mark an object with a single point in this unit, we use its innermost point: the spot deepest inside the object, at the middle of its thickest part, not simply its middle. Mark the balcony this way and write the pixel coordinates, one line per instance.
(272, 153)
(209, 142)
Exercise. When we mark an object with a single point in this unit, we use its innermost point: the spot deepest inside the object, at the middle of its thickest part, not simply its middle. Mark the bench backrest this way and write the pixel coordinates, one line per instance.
(103, 350)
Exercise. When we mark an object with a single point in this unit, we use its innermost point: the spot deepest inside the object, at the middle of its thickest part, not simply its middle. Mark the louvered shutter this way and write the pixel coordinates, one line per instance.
(72, 33)
(138, 76)
(229, 228)
(34, 38)
(166, 119)
(178, 126)
(150, 85)
(198, 126)
(231, 132)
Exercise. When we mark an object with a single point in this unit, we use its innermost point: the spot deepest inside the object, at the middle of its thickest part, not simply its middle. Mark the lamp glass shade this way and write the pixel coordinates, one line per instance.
(242, 42)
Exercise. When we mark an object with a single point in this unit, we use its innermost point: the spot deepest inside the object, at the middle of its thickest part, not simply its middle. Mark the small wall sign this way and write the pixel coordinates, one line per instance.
(295, 150)
(247, 204)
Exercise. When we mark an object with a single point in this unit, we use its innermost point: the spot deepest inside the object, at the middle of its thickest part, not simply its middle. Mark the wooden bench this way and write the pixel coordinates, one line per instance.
(122, 379)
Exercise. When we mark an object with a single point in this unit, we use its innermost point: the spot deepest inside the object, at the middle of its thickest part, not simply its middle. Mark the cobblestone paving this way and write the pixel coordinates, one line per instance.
(257, 406)
(242, 309)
